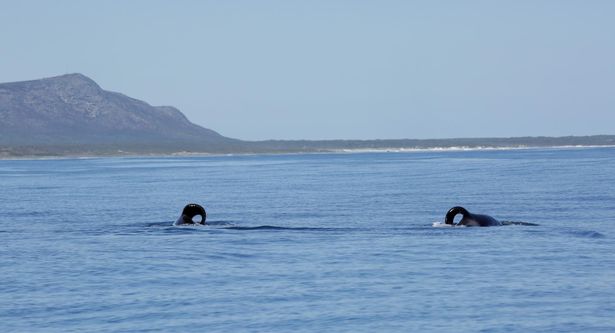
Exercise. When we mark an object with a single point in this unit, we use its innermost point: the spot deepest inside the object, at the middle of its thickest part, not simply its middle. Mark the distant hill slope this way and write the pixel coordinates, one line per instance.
(72, 110)
(460, 143)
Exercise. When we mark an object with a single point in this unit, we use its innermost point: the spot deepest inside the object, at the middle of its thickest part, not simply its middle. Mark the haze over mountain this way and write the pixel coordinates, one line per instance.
(72, 115)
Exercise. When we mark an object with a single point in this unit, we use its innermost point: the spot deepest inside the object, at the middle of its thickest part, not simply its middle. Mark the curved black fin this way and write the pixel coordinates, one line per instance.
(189, 212)
(450, 215)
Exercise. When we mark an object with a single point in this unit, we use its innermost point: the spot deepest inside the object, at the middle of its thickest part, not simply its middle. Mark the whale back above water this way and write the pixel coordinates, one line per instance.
(469, 219)
(192, 214)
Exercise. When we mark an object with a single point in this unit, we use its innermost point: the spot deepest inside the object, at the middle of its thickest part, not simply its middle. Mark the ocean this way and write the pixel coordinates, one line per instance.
(310, 243)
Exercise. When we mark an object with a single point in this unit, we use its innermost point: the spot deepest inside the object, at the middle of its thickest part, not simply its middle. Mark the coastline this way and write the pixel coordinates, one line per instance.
(185, 154)
(466, 148)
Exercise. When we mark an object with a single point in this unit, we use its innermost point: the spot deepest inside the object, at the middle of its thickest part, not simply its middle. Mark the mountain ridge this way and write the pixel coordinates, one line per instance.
(72, 108)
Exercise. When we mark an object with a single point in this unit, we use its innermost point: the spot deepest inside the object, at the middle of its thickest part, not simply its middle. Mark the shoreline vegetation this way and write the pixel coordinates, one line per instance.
(278, 147)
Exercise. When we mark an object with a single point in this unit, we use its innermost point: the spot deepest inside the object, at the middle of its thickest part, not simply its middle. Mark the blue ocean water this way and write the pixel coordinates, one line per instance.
(310, 243)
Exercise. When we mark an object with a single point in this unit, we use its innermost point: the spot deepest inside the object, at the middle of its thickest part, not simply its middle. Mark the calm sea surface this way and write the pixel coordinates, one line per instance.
(310, 243)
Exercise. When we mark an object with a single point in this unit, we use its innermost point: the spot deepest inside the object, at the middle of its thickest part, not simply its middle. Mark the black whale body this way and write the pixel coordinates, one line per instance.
(190, 212)
(469, 219)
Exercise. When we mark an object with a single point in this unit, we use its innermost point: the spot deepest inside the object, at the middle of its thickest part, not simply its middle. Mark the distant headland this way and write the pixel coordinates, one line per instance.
(70, 115)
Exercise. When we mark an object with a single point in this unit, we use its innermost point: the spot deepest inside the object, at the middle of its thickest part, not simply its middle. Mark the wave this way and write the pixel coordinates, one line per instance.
(504, 223)
(270, 227)
(585, 233)
(444, 225)
(461, 148)
(229, 225)
(520, 223)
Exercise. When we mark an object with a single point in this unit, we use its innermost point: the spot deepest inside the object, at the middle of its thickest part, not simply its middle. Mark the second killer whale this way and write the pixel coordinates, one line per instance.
(468, 219)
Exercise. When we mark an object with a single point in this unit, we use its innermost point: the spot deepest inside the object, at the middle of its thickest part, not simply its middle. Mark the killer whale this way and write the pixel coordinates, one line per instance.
(469, 219)
(192, 214)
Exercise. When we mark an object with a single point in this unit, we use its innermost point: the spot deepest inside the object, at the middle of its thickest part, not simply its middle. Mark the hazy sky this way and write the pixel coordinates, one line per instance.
(335, 69)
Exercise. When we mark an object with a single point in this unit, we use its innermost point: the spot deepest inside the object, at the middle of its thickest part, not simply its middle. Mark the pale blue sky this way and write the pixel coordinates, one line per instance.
(335, 69)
